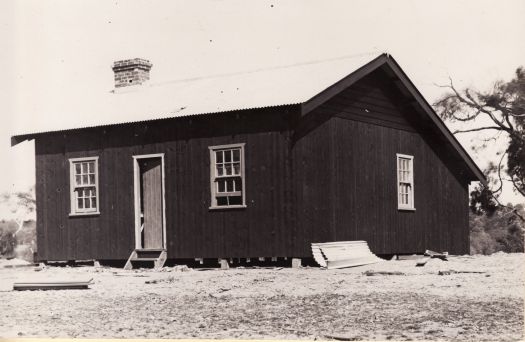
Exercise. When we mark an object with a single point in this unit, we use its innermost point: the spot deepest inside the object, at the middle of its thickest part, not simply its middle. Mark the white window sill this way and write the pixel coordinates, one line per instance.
(92, 213)
(227, 207)
(406, 208)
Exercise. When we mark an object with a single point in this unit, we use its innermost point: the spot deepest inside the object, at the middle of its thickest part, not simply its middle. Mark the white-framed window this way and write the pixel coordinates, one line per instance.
(227, 179)
(405, 182)
(84, 186)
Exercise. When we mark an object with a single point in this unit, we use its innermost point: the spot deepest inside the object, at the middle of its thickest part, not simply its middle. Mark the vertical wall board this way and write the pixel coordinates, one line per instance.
(41, 209)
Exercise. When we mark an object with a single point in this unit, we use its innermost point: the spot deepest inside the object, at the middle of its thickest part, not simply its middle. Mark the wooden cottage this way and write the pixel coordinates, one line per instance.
(253, 165)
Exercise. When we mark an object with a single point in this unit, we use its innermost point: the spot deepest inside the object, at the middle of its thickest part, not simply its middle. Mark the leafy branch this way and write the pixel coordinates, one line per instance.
(504, 107)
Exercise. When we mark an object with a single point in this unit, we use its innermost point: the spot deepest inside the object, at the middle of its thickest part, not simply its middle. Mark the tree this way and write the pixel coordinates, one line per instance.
(501, 231)
(498, 111)
(21, 205)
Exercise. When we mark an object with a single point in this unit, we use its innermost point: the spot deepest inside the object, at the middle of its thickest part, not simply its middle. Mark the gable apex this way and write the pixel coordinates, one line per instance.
(388, 63)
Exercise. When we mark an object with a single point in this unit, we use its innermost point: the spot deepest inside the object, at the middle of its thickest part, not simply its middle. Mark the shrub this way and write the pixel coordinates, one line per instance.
(499, 231)
(22, 245)
(7, 238)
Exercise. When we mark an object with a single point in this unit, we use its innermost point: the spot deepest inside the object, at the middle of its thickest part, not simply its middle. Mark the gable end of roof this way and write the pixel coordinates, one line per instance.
(388, 61)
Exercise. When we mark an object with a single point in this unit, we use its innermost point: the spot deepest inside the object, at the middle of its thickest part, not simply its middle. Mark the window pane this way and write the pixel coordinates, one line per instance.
(238, 184)
(220, 170)
(221, 186)
(77, 180)
(236, 155)
(92, 179)
(235, 200)
(91, 167)
(77, 168)
(237, 168)
(84, 179)
(80, 203)
(229, 185)
(221, 201)
(93, 202)
(228, 156)
(228, 170)
(218, 157)
(87, 203)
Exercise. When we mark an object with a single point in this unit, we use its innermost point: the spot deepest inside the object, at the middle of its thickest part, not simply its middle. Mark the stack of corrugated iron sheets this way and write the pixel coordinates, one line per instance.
(342, 254)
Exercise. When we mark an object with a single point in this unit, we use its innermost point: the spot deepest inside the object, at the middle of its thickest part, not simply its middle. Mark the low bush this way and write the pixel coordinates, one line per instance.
(500, 231)
(20, 245)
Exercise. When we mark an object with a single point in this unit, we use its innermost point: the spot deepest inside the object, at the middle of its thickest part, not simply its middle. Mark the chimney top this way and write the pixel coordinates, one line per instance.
(130, 72)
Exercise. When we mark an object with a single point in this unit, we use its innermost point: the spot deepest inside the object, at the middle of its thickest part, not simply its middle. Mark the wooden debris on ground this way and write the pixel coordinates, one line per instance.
(422, 262)
(206, 269)
(342, 337)
(374, 273)
(343, 254)
(52, 285)
(129, 275)
(456, 272)
(431, 255)
(20, 265)
(410, 257)
(443, 256)
(275, 268)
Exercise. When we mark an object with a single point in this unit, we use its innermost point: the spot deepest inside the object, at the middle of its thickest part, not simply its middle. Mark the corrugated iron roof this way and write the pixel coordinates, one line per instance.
(306, 83)
(270, 87)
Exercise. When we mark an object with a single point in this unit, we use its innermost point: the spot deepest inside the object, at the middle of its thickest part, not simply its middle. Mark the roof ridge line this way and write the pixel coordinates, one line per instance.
(277, 67)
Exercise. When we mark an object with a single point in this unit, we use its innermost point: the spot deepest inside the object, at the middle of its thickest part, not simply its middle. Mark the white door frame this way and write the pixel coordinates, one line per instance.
(136, 192)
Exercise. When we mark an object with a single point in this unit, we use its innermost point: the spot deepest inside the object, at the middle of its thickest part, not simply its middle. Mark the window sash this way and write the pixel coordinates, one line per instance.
(84, 173)
(227, 176)
(405, 181)
(84, 190)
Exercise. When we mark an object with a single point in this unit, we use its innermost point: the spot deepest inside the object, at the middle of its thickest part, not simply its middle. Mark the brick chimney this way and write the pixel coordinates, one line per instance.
(131, 72)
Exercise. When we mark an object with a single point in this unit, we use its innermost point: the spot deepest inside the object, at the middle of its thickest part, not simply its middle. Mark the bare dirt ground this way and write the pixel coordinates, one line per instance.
(305, 303)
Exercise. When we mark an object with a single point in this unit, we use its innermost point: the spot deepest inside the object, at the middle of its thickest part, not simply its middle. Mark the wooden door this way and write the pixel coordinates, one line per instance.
(151, 179)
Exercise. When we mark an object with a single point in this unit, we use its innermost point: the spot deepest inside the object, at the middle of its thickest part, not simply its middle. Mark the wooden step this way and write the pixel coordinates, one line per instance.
(148, 253)
(155, 255)
(144, 259)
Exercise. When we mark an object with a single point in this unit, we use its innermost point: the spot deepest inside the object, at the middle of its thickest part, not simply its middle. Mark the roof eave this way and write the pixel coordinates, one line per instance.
(17, 139)
(422, 102)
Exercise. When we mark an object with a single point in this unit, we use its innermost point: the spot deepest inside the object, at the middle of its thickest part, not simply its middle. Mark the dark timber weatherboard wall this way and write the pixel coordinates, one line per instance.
(192, 229)
(330, 175)
(346, 181)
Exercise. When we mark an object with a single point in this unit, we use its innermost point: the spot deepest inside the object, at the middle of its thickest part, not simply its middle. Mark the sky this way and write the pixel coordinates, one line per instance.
(54, 49)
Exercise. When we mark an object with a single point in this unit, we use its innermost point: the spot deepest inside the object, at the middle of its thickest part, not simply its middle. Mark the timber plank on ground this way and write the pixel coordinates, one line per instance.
(52, 285)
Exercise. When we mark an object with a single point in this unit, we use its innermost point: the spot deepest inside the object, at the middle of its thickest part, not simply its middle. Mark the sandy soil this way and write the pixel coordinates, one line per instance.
(305, 303)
